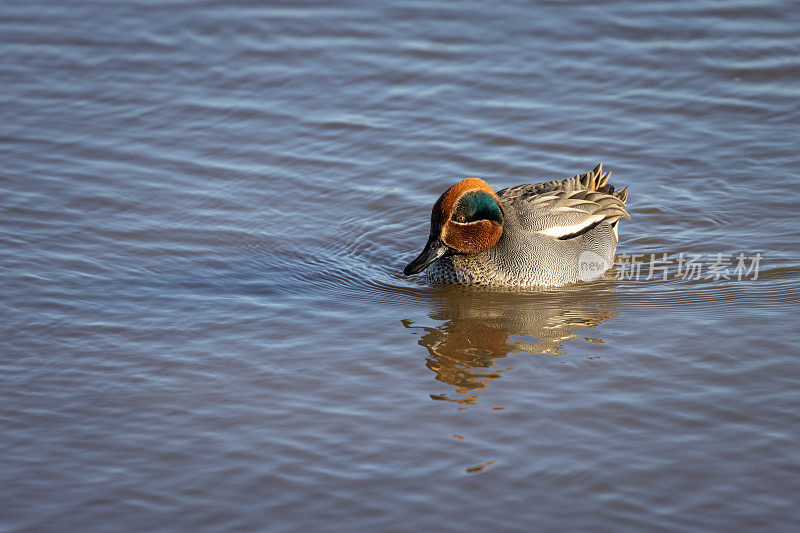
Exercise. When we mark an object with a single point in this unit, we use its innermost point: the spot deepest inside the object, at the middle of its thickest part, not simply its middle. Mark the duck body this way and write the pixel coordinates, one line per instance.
(541, 234)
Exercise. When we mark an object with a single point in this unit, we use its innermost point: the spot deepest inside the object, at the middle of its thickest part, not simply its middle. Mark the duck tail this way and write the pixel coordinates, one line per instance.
(622, 195)
(596, 180)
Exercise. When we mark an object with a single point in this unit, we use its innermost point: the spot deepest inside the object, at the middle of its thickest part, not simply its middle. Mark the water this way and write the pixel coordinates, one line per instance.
(206, 209)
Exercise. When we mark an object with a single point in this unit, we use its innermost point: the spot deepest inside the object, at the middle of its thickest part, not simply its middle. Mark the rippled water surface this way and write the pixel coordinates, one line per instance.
(204, 213)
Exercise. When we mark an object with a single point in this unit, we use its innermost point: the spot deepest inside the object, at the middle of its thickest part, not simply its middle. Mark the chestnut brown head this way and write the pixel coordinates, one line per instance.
(466, 219)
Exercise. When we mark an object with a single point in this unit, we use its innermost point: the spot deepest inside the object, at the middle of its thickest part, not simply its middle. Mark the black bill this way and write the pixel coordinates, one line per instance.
(433, 251)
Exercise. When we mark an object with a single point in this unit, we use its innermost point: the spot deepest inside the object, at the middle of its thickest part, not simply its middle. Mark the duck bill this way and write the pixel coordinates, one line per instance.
(433, 251)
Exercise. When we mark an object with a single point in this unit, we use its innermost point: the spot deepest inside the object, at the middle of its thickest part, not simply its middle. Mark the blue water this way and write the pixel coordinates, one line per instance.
(204, 214)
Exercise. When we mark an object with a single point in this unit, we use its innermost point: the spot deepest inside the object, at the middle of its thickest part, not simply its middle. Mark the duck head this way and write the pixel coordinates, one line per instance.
(466, 219)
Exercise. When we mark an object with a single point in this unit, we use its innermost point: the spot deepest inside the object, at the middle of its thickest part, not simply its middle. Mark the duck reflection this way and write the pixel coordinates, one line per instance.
(479, 327)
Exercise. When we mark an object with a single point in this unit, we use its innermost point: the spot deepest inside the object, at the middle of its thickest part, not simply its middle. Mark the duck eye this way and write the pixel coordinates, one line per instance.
(462, 218)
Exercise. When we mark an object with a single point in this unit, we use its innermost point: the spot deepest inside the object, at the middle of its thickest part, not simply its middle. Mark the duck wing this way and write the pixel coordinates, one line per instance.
(567, 208)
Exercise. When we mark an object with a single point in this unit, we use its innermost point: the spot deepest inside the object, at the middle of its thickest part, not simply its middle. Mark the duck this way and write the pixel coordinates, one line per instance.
(544, 234)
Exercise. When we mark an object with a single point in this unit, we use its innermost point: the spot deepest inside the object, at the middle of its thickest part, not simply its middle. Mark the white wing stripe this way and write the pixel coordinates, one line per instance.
(565, 209)
(560, 231)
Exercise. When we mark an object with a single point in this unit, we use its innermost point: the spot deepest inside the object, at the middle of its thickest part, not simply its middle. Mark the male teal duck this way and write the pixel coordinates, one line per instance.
(539, 234)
